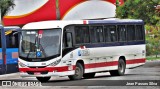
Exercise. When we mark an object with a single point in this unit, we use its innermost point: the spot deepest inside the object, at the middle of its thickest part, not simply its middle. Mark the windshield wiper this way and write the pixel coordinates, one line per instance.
(28, 54)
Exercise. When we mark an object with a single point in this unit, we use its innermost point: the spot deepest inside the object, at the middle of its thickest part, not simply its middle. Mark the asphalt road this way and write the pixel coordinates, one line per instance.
(144, 77)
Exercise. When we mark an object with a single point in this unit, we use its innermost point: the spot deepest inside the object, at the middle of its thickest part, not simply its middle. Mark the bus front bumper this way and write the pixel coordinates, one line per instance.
(44, 72)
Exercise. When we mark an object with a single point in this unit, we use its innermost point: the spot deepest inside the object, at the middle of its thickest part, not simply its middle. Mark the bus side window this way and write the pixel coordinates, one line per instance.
(121, 33)
(96, 33)
(110, 33)
(130, 32)
(139, 32)
(69, 42)
(81, 33)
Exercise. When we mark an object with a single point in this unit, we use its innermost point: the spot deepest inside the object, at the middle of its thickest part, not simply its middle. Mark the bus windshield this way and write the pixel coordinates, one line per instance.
(40, 43)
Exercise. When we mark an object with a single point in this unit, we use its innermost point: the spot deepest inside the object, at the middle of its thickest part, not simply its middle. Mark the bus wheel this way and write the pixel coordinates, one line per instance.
(43, 79)
(121, 69)
(89, 75)
(78, 72)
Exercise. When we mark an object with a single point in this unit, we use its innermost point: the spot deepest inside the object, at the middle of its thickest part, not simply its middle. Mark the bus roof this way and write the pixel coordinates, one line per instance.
(13, 28)
(61, 24)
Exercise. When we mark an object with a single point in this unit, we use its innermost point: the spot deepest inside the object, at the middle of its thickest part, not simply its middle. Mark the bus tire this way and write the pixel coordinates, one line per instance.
(78, 72)
(121, 69)
(89, 75)
(43, 79)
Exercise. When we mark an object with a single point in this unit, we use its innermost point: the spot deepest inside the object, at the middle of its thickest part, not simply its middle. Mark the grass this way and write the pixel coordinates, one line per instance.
(153, 58)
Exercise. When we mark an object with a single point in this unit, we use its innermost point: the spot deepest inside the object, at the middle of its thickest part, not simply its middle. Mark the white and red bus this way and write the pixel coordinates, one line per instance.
(81, 48)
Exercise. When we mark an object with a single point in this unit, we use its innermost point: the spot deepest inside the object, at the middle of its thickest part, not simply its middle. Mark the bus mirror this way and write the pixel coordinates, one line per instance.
(13, 40)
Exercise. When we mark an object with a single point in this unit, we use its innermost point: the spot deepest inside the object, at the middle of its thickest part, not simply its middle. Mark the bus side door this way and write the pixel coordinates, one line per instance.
(12, 43)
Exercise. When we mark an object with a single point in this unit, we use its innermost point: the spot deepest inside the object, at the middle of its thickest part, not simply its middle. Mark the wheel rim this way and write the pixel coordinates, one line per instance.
(121, 67)
(77, 71)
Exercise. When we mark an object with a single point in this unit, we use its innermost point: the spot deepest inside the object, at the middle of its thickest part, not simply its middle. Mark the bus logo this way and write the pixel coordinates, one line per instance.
(84, 52)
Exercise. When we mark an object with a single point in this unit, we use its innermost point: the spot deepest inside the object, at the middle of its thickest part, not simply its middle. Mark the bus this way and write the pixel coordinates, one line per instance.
(9, 43)
(80, 48)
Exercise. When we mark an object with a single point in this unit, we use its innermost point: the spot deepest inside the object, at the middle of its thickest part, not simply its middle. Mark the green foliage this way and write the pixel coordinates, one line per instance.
(140, 9)
(145, 10)
(153, 40)
(117, 3)
(6, 6)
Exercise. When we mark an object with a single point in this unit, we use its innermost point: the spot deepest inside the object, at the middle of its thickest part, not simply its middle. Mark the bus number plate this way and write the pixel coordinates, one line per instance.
(37, 73)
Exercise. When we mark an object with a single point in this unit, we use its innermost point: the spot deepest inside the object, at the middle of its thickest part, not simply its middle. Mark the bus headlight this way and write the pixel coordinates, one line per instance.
(55, 63)
(21, 64)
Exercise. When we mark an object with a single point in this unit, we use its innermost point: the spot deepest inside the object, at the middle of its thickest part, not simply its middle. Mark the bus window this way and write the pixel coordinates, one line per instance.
(96, 33)
(10, 42)
(130, 33)
(121, 33)
(139, 32)
(110, 33)
(82, 34)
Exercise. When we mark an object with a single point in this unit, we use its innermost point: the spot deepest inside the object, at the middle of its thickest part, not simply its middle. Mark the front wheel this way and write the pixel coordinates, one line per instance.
(43, 79)
(121, 69)
(78, 72)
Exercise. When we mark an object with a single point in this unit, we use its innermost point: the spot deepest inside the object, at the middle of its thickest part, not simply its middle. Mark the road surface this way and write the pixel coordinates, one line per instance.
(145, 77)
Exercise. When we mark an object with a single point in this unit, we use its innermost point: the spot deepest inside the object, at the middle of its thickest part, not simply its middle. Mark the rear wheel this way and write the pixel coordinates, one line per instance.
(78, 72)
(89, 75)
(43, 79)
(121, 69)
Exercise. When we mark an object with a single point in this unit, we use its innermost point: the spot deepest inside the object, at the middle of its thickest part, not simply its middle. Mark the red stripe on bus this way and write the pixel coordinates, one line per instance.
(87, 66)
(142, 60)
(103, 64)
(113, 63)
(49, 69)
(84, 22)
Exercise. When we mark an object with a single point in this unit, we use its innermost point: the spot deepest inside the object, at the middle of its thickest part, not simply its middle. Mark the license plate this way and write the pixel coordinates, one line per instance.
(37, 73)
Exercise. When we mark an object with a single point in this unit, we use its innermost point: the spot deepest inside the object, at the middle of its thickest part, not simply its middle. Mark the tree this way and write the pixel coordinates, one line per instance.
(153, 40)
(6, 6)
(139, 9)
(117, 3)
(57, 10)
(148, 11)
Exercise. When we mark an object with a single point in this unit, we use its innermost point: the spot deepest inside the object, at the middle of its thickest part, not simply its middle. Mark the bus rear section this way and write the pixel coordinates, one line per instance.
(81, 48)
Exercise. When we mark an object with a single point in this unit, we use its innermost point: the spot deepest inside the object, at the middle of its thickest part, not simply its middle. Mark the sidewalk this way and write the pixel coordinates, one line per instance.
(17, 76)
(10, 76)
